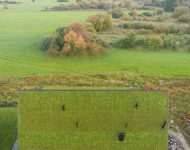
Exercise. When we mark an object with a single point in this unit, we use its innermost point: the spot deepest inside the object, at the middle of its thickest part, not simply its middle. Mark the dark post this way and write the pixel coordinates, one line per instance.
(63, 107)
(164, 124)
(126, 125)
(136, 105)
(33, 1)
(121, 136)
(77, 125)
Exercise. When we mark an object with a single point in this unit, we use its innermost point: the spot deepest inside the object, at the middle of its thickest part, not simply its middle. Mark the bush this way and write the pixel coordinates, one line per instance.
(154, 42)
(117, 13)
(76, 27)
(74, 45)
(126, 17)
(169, 5)
(85, 5)
(147, 13)
(180, 10)
(95, 49)
(171, 42)
(62, 0)
(89, 27)
(184, 18)
(138, 25)
(127, 42)
(57, 42)
(73, 40)
(133, 13)
(187, 30)
(160, 12)
(46, 42)
(101, 22)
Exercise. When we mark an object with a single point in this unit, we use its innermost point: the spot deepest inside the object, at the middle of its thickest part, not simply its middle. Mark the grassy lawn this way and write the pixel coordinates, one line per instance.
(20, 53)
(100, 117)
(28, 5)
(8, 128)
(23, 26)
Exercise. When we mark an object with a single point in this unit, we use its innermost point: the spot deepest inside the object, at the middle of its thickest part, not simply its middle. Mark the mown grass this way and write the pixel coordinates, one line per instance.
(8, 128)
(100, 116)
(20, 53)
(28, 5)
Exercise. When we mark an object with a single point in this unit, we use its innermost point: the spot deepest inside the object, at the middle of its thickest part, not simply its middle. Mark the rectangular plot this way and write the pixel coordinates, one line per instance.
(78, 120)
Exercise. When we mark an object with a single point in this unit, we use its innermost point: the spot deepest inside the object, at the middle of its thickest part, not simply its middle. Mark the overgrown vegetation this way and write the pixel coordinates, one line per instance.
(77, 39)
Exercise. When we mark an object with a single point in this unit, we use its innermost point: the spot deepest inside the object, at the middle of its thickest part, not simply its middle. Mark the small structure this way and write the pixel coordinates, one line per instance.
(126, 125)
(121, 136)
(136, 105)
(164, 124)
(63, 107)
(77, 125)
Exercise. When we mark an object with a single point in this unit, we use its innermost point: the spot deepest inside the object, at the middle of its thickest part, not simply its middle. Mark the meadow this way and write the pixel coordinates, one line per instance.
(92, 120)
(21, 54)
(8, 127)
(22, 26)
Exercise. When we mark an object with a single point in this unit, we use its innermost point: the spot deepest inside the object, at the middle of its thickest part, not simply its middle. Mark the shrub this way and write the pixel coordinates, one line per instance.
(173, 29)
(89, 27)
(5, 6)
(184, 18)
(85, 5)
(187, 30)
(127, 3)
(61, 31)
(161, 19)
(74, 45)
(171, 42)
(76, 27)
(57, 42)
(95, 49)
(62, 0)
(154, 42)
(77, 1)
(101, 22)
(117, 13)
(127, 42)
(138, 25)
(180, 10)
(160, 28)
(126, 17)
(133, 13)
(160, 12)
(147, 13)
(169, 5)
(46, 42)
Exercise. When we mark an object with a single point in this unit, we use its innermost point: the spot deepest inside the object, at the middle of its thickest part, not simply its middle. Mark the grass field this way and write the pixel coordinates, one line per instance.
(100, 117)
(22, 27)
(20, 53)
(28, 5)
(8, 128)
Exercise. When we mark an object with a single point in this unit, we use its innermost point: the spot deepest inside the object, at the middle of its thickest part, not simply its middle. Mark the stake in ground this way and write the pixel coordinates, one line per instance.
(92, 120)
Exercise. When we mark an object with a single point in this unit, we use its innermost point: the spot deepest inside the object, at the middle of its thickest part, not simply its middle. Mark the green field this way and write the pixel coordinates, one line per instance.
(22, 27)
(8, 128)
(100, 117)
(20, 53)
(28, 5)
